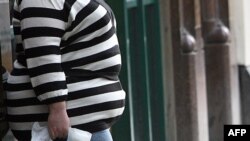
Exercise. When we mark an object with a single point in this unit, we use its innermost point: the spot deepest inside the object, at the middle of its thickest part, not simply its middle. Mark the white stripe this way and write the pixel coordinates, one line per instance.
(90, 51)
(112, 61)
(77, 7)
(34, 109)
(89, 20)
(5, 76)
(15, 22)
(21, 126)
(18, 79)
(89, 84)
(51, 4)
(48, 77)
(43, 60)
(92, 35)
(96, 116)
(52, 94)
(18, 65)
(106, 97)
(20, 94)
(42, 22)
(41, 41)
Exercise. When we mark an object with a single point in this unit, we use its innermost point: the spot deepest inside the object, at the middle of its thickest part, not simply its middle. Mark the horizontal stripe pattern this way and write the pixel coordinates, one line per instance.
(52, 38)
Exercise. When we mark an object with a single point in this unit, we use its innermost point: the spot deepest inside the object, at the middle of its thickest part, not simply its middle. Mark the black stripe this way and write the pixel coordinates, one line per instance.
(115, 68)
(28, 117)
(19, 47)
(3, 70)
(22, 135)
(85, 78)
(55, 99)
(21, 59)
(96, 108)
(95, 41)
(98, 125)
(19, 2)
(16, 15)
(18, 87)
(41, 32)
(66, 9)
(90, 29)
(19, 72)
(48, 68)
(94, 91)
(23, 102)
(82, 14)
(43, 12)
(83, 73)
(17, 30)
(93, 58)
(50, 87)
(43, 50)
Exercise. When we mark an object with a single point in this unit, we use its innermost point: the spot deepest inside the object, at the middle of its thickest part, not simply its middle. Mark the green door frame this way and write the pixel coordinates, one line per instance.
(138, 26)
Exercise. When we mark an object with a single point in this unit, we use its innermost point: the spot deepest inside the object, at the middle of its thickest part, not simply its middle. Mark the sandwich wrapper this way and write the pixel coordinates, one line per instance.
(40, 133)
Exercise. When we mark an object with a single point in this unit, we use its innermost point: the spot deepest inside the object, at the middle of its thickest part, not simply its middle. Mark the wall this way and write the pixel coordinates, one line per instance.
(240, 28)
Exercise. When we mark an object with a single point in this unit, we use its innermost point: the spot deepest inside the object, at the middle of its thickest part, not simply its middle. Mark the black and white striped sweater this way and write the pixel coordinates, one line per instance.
(66, 50)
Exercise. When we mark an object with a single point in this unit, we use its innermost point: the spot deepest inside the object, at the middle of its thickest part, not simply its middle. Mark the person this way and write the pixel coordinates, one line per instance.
(66, 71)
(3, 121)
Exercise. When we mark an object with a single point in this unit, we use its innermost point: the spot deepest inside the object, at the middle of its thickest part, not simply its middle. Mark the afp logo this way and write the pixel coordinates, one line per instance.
(236, 132)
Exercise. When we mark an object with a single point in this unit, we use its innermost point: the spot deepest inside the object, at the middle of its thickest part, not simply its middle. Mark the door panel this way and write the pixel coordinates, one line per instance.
(139, 36)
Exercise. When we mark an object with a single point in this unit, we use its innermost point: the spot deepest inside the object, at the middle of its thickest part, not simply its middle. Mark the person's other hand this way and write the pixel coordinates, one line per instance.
(58, 120)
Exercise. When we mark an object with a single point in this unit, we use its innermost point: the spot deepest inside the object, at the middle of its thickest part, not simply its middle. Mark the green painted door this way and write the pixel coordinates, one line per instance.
(138, 26)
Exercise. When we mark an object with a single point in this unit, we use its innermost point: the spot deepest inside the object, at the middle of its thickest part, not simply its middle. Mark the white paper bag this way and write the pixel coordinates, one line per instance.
(40, 133)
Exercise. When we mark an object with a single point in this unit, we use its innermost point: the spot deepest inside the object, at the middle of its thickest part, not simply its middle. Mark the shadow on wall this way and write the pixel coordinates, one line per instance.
(244, 78)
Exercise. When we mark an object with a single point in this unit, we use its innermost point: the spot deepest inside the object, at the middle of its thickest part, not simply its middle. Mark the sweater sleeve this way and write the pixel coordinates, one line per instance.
(42, 27)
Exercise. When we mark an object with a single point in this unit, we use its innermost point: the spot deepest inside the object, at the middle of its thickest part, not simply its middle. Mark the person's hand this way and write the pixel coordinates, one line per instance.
(58, 120)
